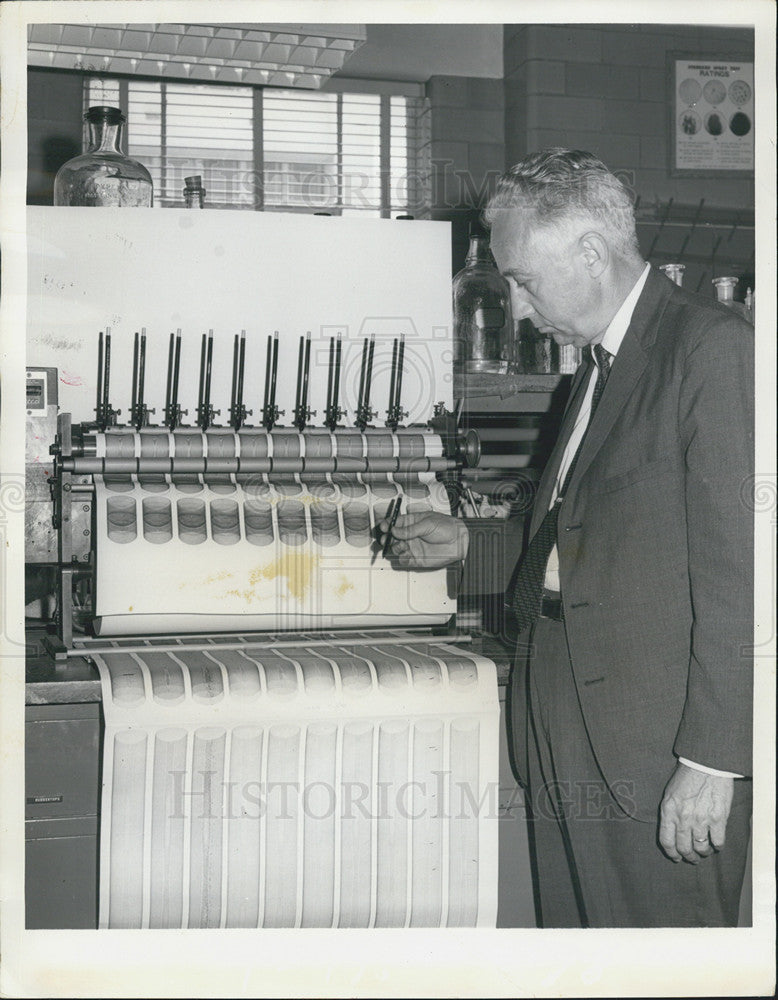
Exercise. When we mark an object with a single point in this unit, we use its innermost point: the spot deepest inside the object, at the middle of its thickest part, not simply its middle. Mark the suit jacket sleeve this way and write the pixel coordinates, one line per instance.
(716, 427)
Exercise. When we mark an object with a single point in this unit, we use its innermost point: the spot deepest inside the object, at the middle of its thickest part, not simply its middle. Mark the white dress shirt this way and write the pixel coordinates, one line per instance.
(611, 342)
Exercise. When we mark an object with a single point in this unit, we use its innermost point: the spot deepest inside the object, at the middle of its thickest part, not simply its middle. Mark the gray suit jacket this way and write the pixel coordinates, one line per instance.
(656, 546)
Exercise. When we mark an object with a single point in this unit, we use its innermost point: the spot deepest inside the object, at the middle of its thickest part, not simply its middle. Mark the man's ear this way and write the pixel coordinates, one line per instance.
(595, 252)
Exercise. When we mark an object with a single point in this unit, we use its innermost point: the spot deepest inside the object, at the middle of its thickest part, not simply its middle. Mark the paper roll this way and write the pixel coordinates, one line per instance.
(266, 552)
(334, 786)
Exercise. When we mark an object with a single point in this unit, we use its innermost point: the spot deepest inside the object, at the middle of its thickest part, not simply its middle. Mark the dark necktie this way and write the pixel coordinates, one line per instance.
(528, 590)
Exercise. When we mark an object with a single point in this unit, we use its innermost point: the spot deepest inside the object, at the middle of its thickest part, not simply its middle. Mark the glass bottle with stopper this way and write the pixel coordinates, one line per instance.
(194, 192)
(725, 294)
(674, 272)
(483, 322)
(104, 176)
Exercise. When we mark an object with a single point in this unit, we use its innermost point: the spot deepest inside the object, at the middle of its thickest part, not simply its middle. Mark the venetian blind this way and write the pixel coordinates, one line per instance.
(281, 150)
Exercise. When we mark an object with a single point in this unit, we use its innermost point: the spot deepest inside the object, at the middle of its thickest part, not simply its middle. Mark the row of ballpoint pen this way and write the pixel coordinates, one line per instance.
(140, 413)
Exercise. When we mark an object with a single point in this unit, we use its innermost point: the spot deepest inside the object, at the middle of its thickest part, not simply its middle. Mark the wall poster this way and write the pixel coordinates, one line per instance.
(712, 115)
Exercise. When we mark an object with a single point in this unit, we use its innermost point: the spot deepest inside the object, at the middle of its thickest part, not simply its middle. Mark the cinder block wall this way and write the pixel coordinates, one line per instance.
(604, 88)
(467, 150)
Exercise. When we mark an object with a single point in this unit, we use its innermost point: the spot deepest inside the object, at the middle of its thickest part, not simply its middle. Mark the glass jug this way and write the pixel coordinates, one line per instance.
(104, 175)
(483, 321)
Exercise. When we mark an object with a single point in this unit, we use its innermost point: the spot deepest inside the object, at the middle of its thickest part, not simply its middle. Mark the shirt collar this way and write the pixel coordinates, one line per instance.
(618, 326)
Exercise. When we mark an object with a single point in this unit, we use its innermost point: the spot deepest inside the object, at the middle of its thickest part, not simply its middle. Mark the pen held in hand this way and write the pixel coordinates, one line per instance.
(392, 515)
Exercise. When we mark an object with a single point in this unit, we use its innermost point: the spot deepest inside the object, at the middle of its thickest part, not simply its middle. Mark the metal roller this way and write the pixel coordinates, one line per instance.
(217, 464)
(193, 464)
(119, 466)
(319, 464)
(221, 444)
(117, 444)
(379, 445)
(290, 464)
(154, 445)
(318, 445)
(381, 464)
(87, 466)
(286, 444)
(151, 465)
(235, 466)
(412, 444)
(283, 451)
(347, 464)
(348, 444)
(253, 444)
(188, 444)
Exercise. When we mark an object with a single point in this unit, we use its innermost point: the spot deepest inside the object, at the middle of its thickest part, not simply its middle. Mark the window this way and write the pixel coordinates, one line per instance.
(281, 150)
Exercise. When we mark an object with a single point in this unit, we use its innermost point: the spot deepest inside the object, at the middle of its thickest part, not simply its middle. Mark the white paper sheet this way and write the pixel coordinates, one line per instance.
(243, 559)
(344, 786)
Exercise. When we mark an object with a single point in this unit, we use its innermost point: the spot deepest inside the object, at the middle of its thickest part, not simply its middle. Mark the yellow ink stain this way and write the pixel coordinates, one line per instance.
(223, 574)
(247, 595)
(343, 587)
(296, 567)
(130, 608)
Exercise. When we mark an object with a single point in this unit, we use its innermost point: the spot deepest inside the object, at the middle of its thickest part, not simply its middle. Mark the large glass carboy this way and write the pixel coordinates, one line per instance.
(104, 175)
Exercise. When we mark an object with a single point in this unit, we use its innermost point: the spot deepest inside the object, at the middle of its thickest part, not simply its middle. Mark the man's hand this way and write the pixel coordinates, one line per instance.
(693, 814)
(426, 541)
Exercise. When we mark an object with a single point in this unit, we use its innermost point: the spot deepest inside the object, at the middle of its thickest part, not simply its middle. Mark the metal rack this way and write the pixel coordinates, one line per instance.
(710, 241)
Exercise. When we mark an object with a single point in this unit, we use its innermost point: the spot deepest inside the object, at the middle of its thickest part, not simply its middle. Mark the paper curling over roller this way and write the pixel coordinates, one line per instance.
(293, 548)
(329, 786)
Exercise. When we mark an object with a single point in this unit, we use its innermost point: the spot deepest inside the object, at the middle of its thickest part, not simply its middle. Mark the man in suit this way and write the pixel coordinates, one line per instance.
(631, 697)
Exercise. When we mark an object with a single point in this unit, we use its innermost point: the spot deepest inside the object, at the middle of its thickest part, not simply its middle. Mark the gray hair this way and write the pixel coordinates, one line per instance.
(559, 185)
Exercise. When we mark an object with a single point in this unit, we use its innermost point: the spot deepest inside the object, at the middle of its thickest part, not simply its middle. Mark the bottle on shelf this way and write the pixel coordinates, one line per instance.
(483, 321)
(569, 359)
(104, 176)
(194, 192)
(674, 272)
(750, 305)
(725, 294)
(539, 354)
